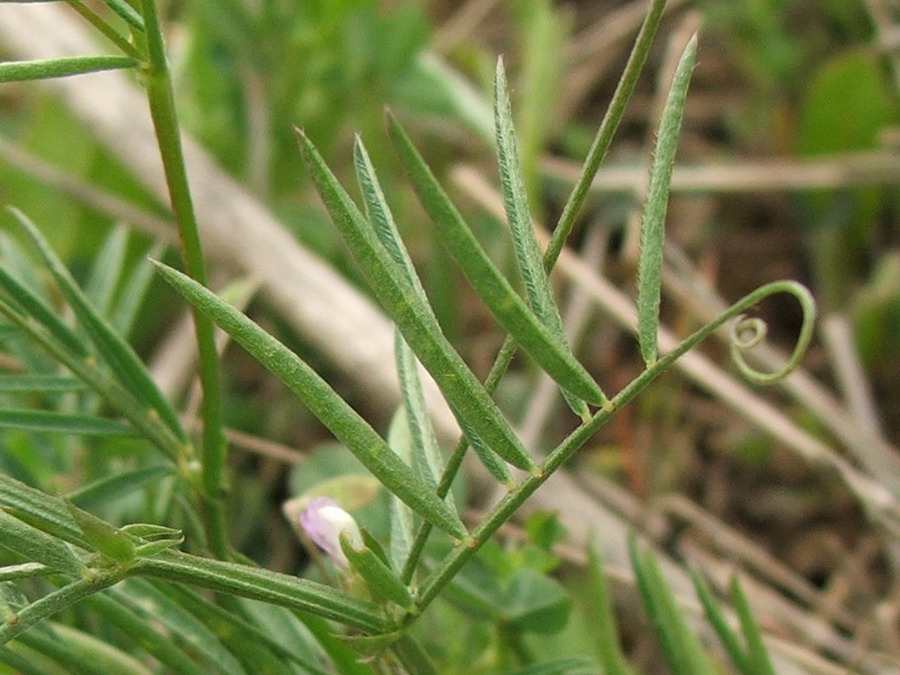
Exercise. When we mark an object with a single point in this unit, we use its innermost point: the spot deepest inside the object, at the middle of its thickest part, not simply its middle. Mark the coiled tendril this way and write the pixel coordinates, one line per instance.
(749, 332)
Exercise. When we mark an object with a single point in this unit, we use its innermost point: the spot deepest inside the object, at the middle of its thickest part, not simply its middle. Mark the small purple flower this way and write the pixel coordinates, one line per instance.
(324, 521)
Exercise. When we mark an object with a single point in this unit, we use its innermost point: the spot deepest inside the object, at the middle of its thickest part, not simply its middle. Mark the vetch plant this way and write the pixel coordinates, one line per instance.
(68, 557)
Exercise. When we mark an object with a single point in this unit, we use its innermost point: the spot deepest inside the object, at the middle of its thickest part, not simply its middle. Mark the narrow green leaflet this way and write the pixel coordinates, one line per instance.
(141, 630)
(23, 302)
(46, 513)
(39, 383)
(380, 578)
(494, 290)
(379, 214)
(525, 244)
(54, 422)
(118, 353)
(415, 320)
(259, 584)
(344, 422)
(717, 620)
(20, 71)
(110, 488)
(107, 268)
(653, 222)
(37, 546)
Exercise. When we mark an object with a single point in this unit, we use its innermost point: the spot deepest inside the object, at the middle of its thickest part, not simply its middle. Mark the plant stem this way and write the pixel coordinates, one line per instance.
(165, 121)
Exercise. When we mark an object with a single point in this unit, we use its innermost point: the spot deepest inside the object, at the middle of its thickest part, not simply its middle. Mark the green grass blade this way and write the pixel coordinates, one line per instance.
(23, 71)
(118, 353)
(525, 244)
(757, 654)
(608, 647)
(494, 290)
(464, 393)
(717, 620)
(333, 411)
(400, 516)
(654, 217)
(62, 423)
(683, 651)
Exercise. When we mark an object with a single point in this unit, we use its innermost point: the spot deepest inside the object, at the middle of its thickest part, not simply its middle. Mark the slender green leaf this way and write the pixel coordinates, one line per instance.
(653, 221)
(717, 620)
(103, 536)
(491, 286)
(572, 665)
(379, 214)
(28, 304)
(380, 579)
(58, 600)
(140, 629)
(37, 546)
(106, 271)
(126, 12)
(63, 66)
(757, 654)
(23, 571)
(39, 383)
(606, 131)
(344, 422)
(133, 293)
(118, 353)
(54, 422)
(179, 617)
(608, 646)
(525, 244)
(399, 514)
(113, 487)
(46, 513)
(259, 584)
(684, 653)
(415, 320)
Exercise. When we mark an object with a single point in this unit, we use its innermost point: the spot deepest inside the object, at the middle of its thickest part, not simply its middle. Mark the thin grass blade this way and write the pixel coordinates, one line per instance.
(107, 270)
(608, 647)
(464, 393)
(727, 636)
(684, 653)
(118, 353)
(113, 487)
(494, 290)
(525, 244)
(757, 654)
(332, 410)
(654, 216)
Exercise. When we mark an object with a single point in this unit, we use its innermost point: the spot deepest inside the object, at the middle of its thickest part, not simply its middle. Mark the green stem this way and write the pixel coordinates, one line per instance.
(505, 509)
(165, 121)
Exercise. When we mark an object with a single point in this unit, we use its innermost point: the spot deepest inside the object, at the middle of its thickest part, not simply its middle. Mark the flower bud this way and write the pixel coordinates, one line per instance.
(324, 521)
